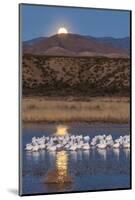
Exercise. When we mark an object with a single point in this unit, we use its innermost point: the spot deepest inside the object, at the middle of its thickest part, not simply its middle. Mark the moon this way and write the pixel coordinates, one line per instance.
(62, 30)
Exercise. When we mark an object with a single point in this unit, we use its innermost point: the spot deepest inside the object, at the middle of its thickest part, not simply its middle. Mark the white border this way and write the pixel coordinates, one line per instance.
(9, 96)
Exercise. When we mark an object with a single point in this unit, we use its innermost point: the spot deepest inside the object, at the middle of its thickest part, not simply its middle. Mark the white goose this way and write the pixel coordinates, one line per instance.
(102, 144)
(126, 145)
(29, 147)
(36, 148)
(73, 147)
(42, 146)
(116, 145)
(108, 138)
(52, 148)
(77, 142)
(86, 138)
(86, 146)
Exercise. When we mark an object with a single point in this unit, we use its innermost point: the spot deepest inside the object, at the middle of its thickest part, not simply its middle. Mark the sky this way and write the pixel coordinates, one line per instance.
(42, 21)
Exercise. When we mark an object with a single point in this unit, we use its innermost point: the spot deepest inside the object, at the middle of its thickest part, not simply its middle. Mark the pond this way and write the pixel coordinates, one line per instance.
(67, 171)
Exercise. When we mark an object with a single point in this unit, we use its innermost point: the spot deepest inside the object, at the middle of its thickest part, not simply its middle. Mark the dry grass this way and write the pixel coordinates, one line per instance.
(98, 109)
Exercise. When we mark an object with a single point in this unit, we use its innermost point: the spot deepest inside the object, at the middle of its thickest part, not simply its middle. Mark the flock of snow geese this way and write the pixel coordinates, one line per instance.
(77, 142)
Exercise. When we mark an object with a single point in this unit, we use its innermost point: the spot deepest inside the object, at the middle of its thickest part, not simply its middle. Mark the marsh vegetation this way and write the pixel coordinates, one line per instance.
(99, 109)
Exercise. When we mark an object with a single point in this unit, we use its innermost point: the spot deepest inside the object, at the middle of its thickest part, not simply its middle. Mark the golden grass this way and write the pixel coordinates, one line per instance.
(98, 109)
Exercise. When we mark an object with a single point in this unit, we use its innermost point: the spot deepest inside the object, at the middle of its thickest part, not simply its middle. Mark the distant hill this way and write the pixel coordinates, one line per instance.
(123, 43)
(76, 45)
(34, 41)
(61, 76)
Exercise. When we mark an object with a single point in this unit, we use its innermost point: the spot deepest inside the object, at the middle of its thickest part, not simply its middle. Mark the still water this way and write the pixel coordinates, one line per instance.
(65, 171)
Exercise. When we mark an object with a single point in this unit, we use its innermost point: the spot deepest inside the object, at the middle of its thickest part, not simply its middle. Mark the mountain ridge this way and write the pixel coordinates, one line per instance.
(75, 44)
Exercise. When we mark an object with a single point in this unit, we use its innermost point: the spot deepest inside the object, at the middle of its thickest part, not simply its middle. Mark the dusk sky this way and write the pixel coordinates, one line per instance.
(38, 21)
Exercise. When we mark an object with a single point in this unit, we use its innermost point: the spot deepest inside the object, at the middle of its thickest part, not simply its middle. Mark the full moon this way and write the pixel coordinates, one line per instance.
(62, 30)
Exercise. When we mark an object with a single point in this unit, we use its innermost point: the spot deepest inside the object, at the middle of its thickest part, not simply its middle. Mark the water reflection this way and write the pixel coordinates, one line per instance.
(52, 158)
(102, 153)
(86, 154)
(43, 174)
(59, 175)
(35, 156)
(79, 155)
(62, 130)
(28, 156)
(43, 153)
(62, 166)
(73, 156)
(127, 153)
(116, 153)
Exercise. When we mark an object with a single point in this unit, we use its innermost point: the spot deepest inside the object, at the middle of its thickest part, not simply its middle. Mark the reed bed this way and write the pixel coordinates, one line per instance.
(98, 109)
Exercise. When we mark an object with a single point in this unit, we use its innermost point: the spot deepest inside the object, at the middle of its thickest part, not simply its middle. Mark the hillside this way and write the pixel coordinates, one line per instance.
(123, 43)
(72, 44)
(75, 76)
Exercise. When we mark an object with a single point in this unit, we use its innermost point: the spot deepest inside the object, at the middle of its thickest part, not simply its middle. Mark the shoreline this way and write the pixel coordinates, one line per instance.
(77, 122)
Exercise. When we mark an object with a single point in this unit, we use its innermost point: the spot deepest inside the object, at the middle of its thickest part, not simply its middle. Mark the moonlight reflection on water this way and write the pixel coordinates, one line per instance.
(62, 166)
(62, 130)
(59, 178)
(63, 171)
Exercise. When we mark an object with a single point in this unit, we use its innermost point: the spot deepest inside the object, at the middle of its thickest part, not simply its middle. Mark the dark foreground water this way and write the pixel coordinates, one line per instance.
(75, 170)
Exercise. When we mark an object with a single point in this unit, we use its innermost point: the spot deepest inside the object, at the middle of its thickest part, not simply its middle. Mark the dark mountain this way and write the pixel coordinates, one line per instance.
(123, 43)
(72, 45)
(34, 41)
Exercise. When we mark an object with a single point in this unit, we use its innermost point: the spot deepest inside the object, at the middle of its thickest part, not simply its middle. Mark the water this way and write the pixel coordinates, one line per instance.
(66, 171)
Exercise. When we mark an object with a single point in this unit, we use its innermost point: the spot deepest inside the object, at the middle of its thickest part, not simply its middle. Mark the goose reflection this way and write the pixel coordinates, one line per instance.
(43, 154)
(127, 152)
(35, 156)
(29, 156)
(116, 153)
(102, 153)
(52, 158)
(73, 156)
(86, 154)
(79, 154)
